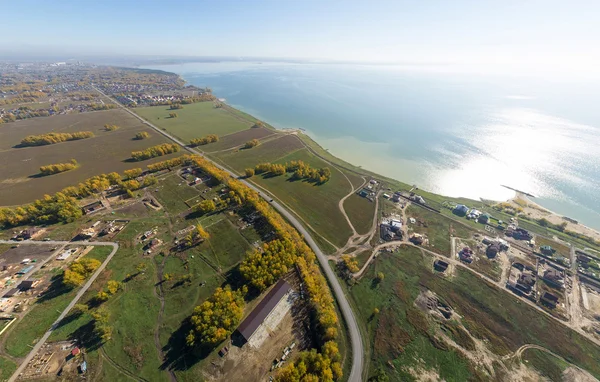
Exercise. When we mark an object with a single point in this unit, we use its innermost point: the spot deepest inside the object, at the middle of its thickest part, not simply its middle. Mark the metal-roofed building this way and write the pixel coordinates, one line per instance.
(255, 319)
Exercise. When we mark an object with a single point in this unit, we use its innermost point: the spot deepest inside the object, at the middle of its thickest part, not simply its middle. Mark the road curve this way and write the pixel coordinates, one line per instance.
(347, 313)
(85, 287)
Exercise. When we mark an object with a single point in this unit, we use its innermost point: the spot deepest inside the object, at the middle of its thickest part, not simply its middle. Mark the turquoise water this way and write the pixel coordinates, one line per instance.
(454, 134)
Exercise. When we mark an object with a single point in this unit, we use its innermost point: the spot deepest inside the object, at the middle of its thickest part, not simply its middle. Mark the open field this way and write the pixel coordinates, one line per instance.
(360, 211)
(269, 151)
(194, 121)
(238, 139)
(7, 367)
(434, 226)
(486, 311)
(104, 153)
(316, 204)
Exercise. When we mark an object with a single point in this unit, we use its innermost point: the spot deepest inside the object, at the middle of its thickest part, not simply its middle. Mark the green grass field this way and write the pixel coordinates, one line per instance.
(360, 211)
(173, 192)
(7, 368)
(316, 204)
(488, 312)
(194, 121)
(437, 230)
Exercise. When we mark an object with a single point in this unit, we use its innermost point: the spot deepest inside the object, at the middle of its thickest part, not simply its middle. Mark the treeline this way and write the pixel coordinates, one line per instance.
(299, 169)
(58, 167)
(288, 248)
(52, 138)
(63, 207)
(155, 151)
(210, 138)
(101, 106)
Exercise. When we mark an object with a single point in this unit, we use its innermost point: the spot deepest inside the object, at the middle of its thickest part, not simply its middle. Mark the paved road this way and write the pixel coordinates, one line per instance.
(85, 287)
(347, 313)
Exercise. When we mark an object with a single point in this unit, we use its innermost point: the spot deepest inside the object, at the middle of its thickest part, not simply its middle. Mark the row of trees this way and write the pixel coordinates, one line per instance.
(299, 169)
(79, 271)
(176, 106)
(64, 207)
(109, 127)
(58, 167)
(279, 255)
(51, 138)
(49, 209)
(170, 163)
(155, 151)
(210, 138)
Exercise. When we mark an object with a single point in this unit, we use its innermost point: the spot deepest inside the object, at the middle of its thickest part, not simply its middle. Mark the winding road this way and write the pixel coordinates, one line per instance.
(356, 371)
(64, 313)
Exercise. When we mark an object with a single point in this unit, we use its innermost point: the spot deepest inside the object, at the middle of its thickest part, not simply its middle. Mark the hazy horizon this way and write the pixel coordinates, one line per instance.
(534, 37)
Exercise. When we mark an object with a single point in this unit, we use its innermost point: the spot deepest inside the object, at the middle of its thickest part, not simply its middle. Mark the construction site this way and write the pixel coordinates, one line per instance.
(63, 359)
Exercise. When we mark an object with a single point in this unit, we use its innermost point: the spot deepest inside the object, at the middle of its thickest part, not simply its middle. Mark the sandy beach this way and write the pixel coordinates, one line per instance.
(535, 211)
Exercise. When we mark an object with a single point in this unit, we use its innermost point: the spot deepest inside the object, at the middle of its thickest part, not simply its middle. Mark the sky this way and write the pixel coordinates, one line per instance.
(564, 35)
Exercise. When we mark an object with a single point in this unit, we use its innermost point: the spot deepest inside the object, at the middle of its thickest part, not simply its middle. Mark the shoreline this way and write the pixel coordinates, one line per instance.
(551, 216)
(537, 211)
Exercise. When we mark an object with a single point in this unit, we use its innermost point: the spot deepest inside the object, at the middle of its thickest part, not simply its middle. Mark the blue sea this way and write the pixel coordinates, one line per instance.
(457, 134)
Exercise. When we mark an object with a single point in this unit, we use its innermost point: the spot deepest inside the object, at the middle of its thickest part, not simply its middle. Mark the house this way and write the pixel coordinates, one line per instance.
(484, 219)
(554, 277)
(549, 300)
(417, 239)
(386, 196)
(466, 255)
(75, 352)
(385, 232)
(440, 265)
(92, 207)
(65, 255)
(492, 250)
(522, 234)
(460, 210)
(255, 319)
(396, 225)
(88, 233)
(547, 250)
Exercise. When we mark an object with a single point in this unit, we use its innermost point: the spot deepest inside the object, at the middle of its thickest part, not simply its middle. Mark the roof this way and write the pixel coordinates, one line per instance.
(11, 292)
(26, 285)
(25, 270)
(75, 351)
(263, 309)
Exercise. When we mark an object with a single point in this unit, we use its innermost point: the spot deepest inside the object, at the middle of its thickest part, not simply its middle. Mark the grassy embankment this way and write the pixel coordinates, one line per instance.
(487, 312)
